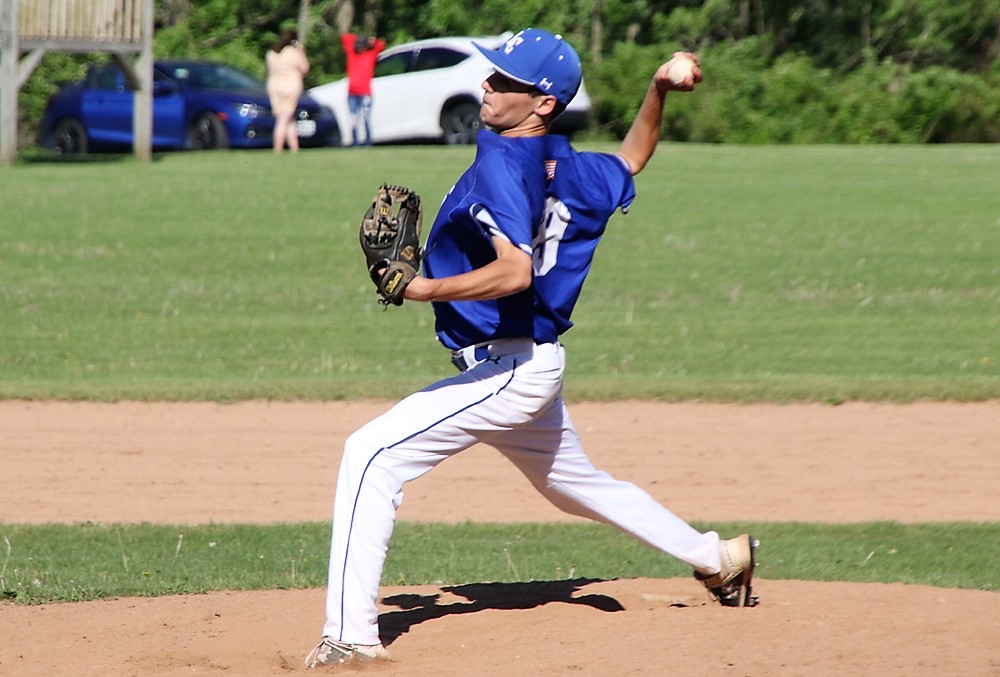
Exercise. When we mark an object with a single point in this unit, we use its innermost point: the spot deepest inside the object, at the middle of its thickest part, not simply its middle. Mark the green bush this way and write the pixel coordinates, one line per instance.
(750, 97)
(865, 112)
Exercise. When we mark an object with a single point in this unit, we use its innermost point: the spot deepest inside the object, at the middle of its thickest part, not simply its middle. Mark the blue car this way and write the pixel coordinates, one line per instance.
(197, 105)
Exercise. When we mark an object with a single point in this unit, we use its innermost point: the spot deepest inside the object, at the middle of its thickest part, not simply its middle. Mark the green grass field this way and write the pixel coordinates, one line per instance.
(808, 273)
(818, 273)
(48, 563)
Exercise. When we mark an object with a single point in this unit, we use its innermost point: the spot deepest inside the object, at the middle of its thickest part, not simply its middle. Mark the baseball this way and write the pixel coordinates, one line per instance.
(681, 72)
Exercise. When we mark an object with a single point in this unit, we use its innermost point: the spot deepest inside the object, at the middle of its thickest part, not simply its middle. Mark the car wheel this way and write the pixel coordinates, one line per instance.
(207, 133)
(69, 137)
(460, 123)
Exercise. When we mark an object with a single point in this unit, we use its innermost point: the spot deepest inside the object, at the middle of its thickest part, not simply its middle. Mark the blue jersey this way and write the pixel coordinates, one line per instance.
(584, 191)
(502, 193)
(546, 199)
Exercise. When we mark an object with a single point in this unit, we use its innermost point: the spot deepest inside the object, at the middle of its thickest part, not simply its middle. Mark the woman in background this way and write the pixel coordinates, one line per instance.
(286, 66)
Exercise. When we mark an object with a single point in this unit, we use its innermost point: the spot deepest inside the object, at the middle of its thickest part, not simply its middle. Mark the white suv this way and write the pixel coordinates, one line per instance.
(432, 89)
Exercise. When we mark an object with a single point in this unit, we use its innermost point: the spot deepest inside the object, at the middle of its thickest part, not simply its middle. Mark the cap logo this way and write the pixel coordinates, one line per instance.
(545, 84)
(509, 46)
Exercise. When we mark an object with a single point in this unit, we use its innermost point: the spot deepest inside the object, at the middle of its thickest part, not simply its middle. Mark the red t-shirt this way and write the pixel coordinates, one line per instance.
(360, 66)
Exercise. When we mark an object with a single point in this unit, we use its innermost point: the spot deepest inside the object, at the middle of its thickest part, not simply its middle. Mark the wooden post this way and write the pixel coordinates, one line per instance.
(142, 114)
(8, 82)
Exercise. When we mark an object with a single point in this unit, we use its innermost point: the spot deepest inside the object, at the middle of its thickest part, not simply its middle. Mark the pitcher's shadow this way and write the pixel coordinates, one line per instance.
(415, 609)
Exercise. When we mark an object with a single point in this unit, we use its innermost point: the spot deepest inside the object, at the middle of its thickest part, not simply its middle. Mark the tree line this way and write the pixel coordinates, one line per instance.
(776, 71)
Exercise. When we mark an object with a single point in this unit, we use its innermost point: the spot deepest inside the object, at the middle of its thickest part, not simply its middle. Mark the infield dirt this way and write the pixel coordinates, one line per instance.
(268, 462)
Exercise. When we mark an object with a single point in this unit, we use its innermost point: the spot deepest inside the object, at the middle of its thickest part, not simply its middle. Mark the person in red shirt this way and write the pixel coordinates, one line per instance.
(362, 51)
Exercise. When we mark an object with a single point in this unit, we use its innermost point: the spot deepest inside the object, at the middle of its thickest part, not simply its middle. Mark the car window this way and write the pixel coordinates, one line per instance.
(393, 64)
(212, 76)
(163, 83)
(105, 77)
(432, 58)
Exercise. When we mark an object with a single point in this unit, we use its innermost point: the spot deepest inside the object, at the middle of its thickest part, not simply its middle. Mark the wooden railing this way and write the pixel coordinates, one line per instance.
(116, 21)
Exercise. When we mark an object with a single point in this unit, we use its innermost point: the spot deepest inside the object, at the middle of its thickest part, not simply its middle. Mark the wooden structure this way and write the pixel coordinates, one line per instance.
(123, 28)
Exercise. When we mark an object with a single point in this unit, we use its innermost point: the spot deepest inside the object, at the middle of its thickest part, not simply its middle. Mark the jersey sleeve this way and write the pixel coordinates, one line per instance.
(612, 180)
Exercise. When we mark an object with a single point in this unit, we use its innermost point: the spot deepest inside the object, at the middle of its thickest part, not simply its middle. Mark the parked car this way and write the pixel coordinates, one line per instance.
(197, 105)
(432, 89)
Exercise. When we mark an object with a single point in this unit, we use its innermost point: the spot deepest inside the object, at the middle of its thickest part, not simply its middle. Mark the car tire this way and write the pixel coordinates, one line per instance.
(460, 123)
(70, 138)
(207, 132)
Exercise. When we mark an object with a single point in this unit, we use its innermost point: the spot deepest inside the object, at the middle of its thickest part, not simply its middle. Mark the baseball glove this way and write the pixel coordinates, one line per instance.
(390, 239)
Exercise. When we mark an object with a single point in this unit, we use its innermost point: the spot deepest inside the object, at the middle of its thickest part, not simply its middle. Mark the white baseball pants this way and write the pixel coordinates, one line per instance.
(512, 400)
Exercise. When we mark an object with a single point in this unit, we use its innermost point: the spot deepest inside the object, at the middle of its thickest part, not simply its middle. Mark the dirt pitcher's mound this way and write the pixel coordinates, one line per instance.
(628, 627)
(265, 462)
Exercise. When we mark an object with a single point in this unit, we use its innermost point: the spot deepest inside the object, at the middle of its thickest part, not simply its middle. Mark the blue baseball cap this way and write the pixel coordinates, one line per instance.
(540, 59)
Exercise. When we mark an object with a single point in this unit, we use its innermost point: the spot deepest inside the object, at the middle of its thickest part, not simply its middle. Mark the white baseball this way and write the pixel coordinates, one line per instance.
(681, 72)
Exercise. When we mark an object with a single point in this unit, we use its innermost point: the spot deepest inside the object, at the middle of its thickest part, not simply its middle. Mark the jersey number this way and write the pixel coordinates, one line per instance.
(545, 247)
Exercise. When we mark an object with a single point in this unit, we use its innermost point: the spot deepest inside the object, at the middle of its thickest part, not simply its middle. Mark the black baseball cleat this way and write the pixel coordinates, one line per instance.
(732, 585)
